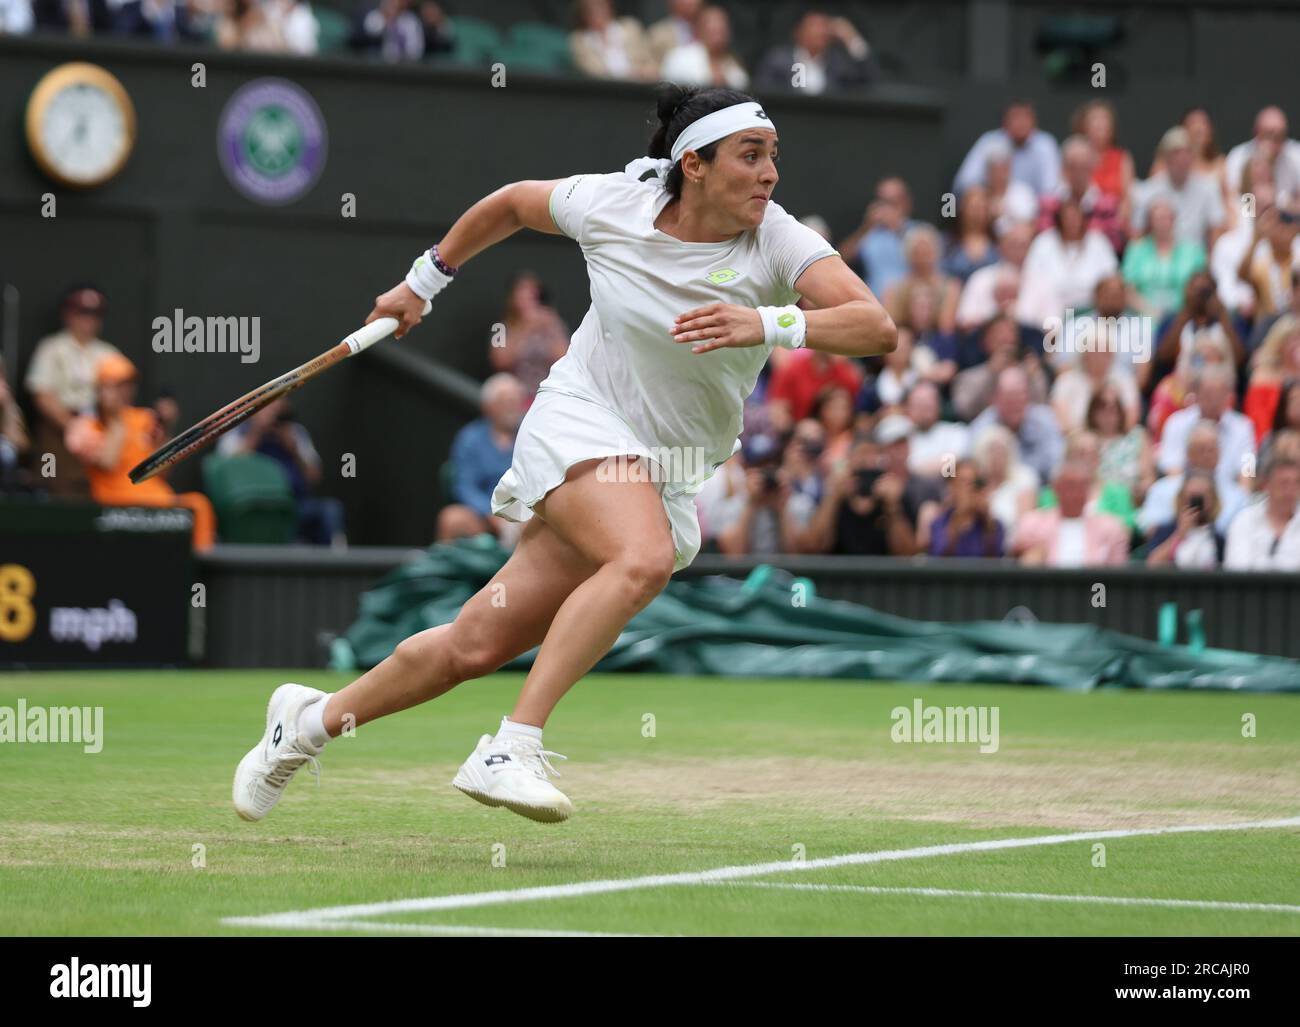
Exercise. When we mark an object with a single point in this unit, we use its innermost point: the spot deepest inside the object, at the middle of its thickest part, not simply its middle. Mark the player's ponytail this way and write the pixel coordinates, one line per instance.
(675, 108)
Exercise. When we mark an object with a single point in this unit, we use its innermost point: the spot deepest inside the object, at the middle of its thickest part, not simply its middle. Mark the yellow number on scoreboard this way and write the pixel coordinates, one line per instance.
(17, 614)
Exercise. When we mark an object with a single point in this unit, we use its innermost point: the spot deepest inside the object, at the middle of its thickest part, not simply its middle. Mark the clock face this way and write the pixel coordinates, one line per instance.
(80, 125)
(84, 132)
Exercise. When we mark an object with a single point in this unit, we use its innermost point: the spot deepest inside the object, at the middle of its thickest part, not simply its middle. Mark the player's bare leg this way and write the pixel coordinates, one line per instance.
(506, 617)
(620, 528)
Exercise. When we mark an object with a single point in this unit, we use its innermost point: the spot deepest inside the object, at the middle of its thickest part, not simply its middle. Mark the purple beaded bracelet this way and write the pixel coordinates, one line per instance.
(441, 264)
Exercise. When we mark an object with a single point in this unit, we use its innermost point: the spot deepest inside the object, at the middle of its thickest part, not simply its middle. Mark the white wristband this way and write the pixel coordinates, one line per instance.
(783, 326)
(425, 280)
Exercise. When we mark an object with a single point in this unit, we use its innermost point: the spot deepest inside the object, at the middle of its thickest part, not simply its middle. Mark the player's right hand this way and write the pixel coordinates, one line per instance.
(399, 302)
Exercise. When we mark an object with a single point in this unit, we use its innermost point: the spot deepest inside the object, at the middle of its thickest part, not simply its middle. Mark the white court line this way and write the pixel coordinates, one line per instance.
(1107, 900)
(315, 918)
(389, 927)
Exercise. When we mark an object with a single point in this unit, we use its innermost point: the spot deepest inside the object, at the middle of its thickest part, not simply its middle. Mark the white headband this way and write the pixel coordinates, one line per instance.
(719, 125)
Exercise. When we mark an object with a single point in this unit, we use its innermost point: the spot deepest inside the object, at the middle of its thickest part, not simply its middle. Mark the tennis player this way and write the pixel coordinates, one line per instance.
(696, 275)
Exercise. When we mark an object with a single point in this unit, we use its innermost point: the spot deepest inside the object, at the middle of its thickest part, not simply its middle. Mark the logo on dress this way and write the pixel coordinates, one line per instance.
(723, 276)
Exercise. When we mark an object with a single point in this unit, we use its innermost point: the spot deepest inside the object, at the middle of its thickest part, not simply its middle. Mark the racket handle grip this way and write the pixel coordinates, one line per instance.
(381, 328)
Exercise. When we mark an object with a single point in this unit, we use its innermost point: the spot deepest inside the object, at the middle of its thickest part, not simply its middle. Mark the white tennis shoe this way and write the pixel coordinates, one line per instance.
(514, 773)
(262, 775)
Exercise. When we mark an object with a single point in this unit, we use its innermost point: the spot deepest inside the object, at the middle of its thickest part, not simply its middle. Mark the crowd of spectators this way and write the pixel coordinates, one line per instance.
(88, 433)
(1092, 367)
(691, 45)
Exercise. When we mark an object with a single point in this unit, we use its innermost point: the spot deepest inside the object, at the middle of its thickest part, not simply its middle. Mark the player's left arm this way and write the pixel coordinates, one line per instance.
(841, 314)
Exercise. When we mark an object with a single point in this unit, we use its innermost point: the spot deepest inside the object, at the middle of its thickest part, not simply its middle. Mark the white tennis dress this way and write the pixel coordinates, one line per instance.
(625, 387)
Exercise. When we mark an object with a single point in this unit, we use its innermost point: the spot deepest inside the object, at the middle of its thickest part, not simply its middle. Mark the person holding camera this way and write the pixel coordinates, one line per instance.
(871, 503)
(1202, 316)
(1190, 540)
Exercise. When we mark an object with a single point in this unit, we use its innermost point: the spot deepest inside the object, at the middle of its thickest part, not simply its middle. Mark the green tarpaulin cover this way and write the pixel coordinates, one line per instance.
(774, 625)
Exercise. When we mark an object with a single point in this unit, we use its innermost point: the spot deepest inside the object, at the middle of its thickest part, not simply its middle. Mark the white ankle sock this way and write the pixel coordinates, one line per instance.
(509, 727)
(311, 722)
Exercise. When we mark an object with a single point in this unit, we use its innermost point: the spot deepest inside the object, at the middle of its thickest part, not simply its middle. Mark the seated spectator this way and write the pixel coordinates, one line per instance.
(866, 509)
(1214, 387)
(604, 46)
(1197, 200)
(1265, 536)
(1202, 318)
(155, 19)
(14, 441)
(973, 389)
(828, 55)
(439, 29)
(971, 246)
(1268, 261)
(1202, 457)
(1126, 454)
(535, 337)
(1011, 202)
(1158, 265)
(1231, 248)
(1105, 496)
(877, 244)
(115, 437)
(897, 375)
(1113, 173)
(720, 502)
(16, 17)
(480, 454)
(1012, 484)
(1176, 390)
(922, 249)
(1035, 158)
(935, 445)
(61, 381)
(1263, 325)
(1108, 322)
(1065, 535)
(1277, 367)
(832, 412)
(963, 525)
(391, 31)
(995, 289)
(917, 305)
(1033, 424)
(769, 516)
(1280, 153)
(708, 60)
(803, 374)
(1101, 210)
(276, 433)
(807, 459)
(287, 27)
(1074, 388)
(1208, 160)
(1067, 261)
(1190, 540)
(677, 29)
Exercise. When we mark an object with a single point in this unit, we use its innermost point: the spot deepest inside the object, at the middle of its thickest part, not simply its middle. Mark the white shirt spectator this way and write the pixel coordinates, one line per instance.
(689, 66)
(1236, 441)
(1252, 546)
(1198, 205)
(1068, 272)
(16, 17)
(1159, 505)
(927, 449)
(1286, 169)
(1072, 392)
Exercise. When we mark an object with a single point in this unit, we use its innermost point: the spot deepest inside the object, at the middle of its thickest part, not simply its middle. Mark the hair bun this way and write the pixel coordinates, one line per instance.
(669, 98)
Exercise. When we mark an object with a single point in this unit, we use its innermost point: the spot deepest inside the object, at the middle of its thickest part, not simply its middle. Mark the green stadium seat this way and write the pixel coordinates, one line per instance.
(334, 30)
(252, 498)
(477, 41)
(532, 44)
